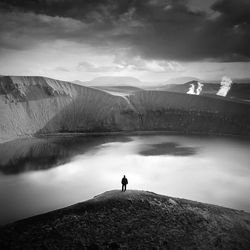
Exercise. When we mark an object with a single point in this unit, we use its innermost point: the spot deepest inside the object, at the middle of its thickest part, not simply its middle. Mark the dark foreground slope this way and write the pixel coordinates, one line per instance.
(132, 220)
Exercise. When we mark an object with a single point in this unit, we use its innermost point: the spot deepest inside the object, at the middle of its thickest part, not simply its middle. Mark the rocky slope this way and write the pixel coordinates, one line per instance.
(171, 111)
(30, 105)
(38, 105)
(132, 220)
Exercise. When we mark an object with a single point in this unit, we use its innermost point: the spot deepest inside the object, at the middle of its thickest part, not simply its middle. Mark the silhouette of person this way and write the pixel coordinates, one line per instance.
(124, 183)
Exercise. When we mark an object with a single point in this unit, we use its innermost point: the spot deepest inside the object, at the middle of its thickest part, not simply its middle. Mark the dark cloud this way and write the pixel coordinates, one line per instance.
(227, 36)
(233, 12)
(152, 29)
(24, 30)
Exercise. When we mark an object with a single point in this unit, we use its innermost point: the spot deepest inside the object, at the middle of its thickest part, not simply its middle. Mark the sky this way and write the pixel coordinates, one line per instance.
(152, 40)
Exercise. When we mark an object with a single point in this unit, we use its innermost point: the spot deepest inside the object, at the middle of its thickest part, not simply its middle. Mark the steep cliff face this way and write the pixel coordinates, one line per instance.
(38, 105)
(31, 105)
(28, 103)
(190, 113)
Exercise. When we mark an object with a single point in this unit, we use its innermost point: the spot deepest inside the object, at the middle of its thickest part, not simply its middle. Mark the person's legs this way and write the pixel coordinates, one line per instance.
(125, 187)
(122, 187)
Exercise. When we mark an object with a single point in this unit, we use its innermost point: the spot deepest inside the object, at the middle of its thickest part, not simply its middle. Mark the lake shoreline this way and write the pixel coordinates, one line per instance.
(140, 132)
(145, 133)
(126, 133)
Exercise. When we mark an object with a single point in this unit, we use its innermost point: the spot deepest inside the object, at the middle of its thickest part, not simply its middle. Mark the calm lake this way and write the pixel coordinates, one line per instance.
(42, 174)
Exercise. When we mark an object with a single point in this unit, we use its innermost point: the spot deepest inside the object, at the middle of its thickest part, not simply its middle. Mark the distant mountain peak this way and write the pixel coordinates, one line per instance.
(182, 80)
(115, 80)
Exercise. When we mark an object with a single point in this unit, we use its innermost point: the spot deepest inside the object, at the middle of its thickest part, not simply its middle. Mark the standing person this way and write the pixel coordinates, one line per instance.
(124, 183)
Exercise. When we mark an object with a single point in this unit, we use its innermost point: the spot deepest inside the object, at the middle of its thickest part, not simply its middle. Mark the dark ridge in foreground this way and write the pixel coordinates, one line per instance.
(132, 220)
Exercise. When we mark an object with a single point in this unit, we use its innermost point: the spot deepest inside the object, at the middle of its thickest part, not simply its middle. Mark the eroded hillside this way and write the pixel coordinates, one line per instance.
(31, 105)
(171, 111)
(38, 105)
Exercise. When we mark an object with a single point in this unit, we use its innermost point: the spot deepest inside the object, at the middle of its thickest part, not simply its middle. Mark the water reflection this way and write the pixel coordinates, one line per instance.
(209, 170)
(168, 148)
(43, 153)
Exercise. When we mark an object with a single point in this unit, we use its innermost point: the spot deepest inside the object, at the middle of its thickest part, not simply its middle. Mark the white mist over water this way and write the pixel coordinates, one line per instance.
(226, 83)
(218, 172)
